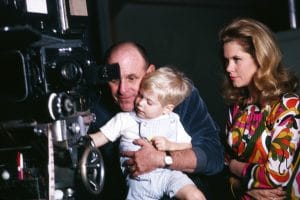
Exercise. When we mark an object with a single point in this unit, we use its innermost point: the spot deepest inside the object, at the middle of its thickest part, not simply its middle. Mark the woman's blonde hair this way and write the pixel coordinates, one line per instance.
(171, 85)
(271, 79)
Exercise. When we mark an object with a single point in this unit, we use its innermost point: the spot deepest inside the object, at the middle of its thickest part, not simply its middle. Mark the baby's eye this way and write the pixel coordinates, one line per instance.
(150, 103)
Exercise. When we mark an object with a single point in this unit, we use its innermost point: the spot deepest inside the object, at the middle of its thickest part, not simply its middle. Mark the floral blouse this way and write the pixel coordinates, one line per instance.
(268, 140)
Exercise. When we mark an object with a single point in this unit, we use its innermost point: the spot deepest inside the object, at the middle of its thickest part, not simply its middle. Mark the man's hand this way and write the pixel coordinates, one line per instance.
(146, 159)
(271, 194)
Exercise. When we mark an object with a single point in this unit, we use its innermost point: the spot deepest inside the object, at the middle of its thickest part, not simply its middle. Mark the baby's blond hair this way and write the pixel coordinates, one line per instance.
(171, 85)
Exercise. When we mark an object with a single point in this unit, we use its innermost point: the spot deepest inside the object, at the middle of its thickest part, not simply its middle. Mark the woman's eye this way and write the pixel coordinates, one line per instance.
(236, 59)
(225, 62)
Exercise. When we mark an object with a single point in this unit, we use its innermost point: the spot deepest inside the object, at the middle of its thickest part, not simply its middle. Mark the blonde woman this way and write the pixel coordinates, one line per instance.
(263, 125)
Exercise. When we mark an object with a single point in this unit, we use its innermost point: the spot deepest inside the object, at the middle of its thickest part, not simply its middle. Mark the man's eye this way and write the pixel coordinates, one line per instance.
(132, 78)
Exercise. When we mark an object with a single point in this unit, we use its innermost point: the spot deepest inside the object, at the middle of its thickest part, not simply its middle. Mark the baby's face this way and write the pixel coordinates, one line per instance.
(147, 105)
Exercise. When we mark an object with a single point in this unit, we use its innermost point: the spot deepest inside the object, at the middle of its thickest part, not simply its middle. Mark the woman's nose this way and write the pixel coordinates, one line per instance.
(230, 67)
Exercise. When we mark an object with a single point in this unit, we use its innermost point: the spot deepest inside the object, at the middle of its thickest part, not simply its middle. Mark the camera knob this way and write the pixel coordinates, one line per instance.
(60, 105)
(68, 105)
(5, 175)
(75, 128)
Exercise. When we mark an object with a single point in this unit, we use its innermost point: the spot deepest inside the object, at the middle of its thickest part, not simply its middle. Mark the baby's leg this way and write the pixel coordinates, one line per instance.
(190, 192)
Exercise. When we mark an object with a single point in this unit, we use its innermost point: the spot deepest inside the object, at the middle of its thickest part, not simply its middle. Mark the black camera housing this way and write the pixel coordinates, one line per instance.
(47, 79)
(47, 62)
(49, 65)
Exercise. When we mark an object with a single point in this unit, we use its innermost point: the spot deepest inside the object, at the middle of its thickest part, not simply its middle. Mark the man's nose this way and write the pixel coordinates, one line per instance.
(123, 86)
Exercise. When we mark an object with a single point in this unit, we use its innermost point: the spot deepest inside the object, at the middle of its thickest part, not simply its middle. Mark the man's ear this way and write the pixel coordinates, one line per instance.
(168, 108)
(151, 68)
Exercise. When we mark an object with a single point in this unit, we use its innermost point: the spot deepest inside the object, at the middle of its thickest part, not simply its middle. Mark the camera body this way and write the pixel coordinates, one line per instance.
(53, 75)
(46, 82)
(31, 75)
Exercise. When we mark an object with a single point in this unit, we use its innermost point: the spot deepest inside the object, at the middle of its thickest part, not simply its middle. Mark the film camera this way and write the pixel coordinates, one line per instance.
(46, 75)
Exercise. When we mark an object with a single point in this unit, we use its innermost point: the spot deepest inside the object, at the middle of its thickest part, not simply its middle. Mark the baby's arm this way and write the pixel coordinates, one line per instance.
(99, 139)
(163, 144)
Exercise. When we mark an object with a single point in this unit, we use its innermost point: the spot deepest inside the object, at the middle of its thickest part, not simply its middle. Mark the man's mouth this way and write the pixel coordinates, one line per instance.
(124, 98)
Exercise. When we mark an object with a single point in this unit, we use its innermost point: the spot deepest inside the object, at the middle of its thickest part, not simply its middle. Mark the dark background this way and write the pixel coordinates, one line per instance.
(185, 33)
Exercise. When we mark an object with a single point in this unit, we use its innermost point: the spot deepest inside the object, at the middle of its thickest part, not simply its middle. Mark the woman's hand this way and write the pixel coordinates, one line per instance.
(236, 167)
(267, 194)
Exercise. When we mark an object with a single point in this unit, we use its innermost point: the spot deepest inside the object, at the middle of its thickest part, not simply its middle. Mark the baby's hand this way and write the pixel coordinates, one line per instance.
(161, 143)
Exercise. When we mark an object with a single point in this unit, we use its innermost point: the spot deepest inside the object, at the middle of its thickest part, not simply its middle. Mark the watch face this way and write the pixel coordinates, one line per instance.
(168, 160)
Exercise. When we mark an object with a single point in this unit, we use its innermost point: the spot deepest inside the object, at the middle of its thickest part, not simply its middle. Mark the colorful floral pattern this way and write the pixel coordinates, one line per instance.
(268, 140)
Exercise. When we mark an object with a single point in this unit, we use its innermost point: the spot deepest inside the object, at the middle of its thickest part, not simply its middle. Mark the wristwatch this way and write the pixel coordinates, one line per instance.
(168, 159)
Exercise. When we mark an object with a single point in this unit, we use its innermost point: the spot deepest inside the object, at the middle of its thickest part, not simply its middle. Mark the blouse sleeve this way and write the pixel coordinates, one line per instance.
(281, 147)
(229, 154)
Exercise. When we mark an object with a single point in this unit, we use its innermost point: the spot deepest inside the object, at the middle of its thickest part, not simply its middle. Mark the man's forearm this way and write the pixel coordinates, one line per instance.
(174, 146)
(184, 160)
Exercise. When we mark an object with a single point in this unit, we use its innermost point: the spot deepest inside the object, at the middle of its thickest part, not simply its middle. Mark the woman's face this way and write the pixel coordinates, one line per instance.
(240, 65)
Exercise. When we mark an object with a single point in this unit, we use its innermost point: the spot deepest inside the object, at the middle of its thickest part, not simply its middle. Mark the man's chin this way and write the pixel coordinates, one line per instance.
(126, 107)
